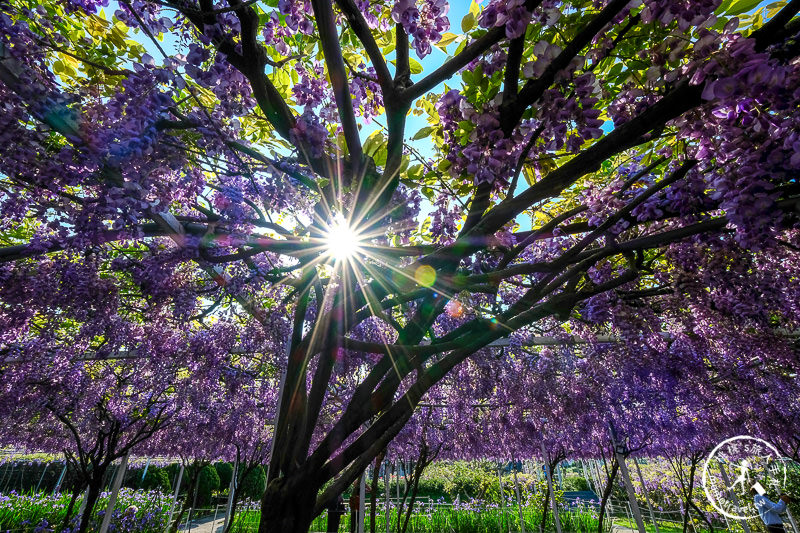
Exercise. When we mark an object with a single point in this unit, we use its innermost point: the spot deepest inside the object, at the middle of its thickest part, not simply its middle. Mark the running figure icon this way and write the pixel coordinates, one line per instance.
(744, 476)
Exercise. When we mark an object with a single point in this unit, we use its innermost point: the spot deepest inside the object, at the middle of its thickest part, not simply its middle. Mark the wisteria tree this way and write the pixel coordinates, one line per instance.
(246, 165)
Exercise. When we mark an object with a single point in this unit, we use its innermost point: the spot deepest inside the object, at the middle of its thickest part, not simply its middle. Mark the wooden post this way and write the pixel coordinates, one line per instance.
(646, 495)
(626, 478)
(556, 518)
(112, 499)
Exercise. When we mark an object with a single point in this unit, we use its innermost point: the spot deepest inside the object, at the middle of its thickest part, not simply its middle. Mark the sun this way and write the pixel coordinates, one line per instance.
(342, 241)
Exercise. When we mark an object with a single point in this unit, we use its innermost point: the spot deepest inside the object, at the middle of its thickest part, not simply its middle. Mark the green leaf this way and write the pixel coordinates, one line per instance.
(774, 7)
(447, 38)
(373, 145)
(414, 65)
(422, 133)
(414, 173)
(741, 6)
(530, 175)
(468, 22)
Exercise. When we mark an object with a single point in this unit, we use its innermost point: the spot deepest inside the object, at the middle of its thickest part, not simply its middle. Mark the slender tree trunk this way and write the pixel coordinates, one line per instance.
(402, 503)
(607, 494)
(374, 496)
(421, 464)
(704, 517)
(237, 490)
(545, 506)
(688, 494)
(77, 488)
(193, 479)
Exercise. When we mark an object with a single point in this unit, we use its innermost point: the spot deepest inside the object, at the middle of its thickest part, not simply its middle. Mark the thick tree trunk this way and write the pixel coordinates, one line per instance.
(287, 507)
(91, 498)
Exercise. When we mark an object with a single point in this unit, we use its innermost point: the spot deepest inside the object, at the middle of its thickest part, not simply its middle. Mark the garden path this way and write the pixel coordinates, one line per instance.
(205, 525)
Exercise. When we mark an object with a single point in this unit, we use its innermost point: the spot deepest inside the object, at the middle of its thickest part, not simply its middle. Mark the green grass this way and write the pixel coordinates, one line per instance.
(663, 527)
(448, 519)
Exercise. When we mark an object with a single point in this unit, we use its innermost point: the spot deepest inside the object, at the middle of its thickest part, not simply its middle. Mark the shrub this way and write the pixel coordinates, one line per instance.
(156, 478)
(254, 484)
(575, 484)
(207, 483)
(225, 473)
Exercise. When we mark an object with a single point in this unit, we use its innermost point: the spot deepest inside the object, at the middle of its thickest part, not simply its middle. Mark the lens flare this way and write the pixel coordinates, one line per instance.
(341, 240)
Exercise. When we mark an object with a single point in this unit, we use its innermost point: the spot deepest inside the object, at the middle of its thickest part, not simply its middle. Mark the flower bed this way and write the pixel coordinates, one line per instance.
(135, 512)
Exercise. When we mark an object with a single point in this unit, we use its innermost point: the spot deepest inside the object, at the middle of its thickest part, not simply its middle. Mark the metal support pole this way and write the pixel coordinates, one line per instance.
(231, 490)
(519, 501)
(386, 492)
(83, 502)
(600, 484)
(646, 495)
(556, 518)
(279, 405)
(503, 497)
(42, 478)
(791, 520)
(362, 485)
(175, 496)
(214, 520)
(560, 477)
(626, 478)
(112, 499)
(732, 496)
(60, 479)
(144, 472)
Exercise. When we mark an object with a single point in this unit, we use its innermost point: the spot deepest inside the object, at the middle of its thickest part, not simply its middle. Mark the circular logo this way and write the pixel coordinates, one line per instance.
(737, 467)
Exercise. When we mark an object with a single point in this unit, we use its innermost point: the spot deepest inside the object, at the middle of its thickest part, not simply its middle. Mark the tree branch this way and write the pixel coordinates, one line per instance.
(329, 37)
